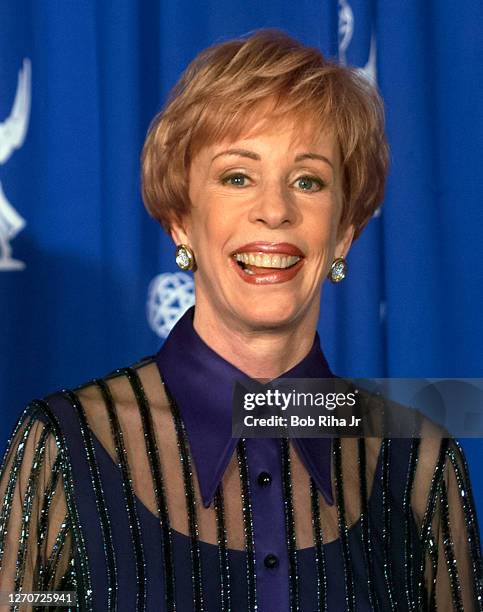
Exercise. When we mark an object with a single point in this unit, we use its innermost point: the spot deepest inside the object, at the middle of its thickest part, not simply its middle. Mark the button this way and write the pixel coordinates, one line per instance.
(264, 479)
(271, 561)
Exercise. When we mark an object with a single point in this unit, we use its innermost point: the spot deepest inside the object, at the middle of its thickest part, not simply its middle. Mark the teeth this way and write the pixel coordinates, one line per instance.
(265, 260)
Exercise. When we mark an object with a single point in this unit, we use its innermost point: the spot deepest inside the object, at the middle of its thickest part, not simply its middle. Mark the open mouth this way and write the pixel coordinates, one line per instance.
(264, 263)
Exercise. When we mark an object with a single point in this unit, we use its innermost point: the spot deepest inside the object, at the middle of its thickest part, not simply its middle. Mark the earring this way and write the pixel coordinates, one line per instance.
(338, 270)
(185, 258)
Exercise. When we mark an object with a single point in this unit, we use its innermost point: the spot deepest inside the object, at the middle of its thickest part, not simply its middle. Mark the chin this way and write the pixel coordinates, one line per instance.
(268, 315)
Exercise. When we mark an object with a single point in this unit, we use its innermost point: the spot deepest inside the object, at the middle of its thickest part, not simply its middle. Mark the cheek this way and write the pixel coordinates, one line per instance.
(221, 223)
(209, 233)
(322, 232)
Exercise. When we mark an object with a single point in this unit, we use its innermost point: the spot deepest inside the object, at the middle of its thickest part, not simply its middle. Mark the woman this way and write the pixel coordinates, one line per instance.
(266, 163)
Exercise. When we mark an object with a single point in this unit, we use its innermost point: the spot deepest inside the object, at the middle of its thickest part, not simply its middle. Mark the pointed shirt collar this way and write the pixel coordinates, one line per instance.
(201, 382)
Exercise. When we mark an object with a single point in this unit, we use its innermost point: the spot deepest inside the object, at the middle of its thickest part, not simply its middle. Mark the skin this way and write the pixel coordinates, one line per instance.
(236, 199)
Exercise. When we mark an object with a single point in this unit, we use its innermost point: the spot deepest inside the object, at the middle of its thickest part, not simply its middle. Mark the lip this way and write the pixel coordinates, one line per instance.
(285, 248)
(272, 277)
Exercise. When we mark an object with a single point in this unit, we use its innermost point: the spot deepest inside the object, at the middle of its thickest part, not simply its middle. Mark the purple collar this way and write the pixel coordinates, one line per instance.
(201, 382)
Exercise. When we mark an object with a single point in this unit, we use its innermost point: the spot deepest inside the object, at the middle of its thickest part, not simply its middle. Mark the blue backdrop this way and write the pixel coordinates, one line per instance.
(87, 279)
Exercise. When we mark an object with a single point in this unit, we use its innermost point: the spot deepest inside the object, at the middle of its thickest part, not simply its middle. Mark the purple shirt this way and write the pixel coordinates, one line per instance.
(201, 383)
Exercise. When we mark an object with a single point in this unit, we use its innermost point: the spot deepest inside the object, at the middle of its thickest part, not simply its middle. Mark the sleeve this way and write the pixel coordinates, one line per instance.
(452, 553)
(35, 529)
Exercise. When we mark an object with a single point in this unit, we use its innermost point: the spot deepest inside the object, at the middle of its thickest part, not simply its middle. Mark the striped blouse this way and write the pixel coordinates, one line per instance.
(131, 492)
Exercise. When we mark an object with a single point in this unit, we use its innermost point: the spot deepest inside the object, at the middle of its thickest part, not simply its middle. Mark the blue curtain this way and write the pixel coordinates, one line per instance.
(88, 281)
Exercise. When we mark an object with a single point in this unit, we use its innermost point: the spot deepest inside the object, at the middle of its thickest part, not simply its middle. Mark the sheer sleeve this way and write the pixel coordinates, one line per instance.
(449, 531)
(35, 531)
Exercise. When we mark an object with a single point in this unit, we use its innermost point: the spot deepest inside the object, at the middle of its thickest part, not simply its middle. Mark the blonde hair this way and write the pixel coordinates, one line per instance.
(228, 82)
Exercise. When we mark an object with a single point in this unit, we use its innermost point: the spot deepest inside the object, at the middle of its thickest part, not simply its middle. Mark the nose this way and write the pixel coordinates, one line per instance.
(274, 208)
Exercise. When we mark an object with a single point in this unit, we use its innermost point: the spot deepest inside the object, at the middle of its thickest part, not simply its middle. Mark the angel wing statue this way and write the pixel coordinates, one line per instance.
(12, 136)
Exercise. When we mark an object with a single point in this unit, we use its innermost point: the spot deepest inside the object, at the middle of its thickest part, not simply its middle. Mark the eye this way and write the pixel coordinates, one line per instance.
(237, 180)
(309, 183)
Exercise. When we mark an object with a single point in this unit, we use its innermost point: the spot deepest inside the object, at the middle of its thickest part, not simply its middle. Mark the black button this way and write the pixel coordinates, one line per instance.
(264, 479)
(271, 561)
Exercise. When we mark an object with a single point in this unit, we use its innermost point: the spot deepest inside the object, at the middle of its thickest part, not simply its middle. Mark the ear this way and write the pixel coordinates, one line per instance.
(178, 234)
(344, 241)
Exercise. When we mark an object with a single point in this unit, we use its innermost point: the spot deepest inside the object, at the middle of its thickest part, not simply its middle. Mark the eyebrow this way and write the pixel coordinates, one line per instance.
(303, 156)
(240, 153)
(255, 156)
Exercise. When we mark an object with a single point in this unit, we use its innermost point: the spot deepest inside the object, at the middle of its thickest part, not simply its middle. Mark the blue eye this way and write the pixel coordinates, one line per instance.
(309, 183)
(237, 180)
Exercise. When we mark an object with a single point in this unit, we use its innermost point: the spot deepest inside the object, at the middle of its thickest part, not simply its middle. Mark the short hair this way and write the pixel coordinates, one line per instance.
(227, 82)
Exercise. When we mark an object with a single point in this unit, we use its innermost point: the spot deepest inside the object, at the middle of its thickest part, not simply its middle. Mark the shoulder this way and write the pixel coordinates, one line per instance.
(121, 386)
(120, 394)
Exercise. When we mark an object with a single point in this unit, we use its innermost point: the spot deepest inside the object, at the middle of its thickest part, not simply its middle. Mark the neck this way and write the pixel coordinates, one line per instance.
(259, 353)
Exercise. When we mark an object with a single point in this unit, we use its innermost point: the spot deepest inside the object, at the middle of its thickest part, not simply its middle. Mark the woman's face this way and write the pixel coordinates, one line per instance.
(264, 225)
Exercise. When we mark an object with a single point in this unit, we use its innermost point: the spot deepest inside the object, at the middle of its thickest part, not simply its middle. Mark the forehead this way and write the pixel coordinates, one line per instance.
(225, 123)
(278, 134)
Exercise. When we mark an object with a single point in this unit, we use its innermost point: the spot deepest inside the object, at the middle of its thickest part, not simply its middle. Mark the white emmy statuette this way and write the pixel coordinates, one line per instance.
(346, 32)
(12, 136)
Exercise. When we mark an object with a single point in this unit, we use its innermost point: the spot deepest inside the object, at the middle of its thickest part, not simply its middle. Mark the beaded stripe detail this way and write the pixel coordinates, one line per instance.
(449, 550)
(158, 485)
(290, 526)
(7, 502)
(247, 525)
(29, 411)
(344, 536)
(225, 594)
(56, 554)
(364, 522)
(84, 585)
(49, 494)
(433, 552)
(386, 512)
(184, 456)
(122, 458)
(47, 501)
(426, 533)
(408, 542)
(456, 457)
(319, 548)
(68, 582)
(27, 507)
(76, 404)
